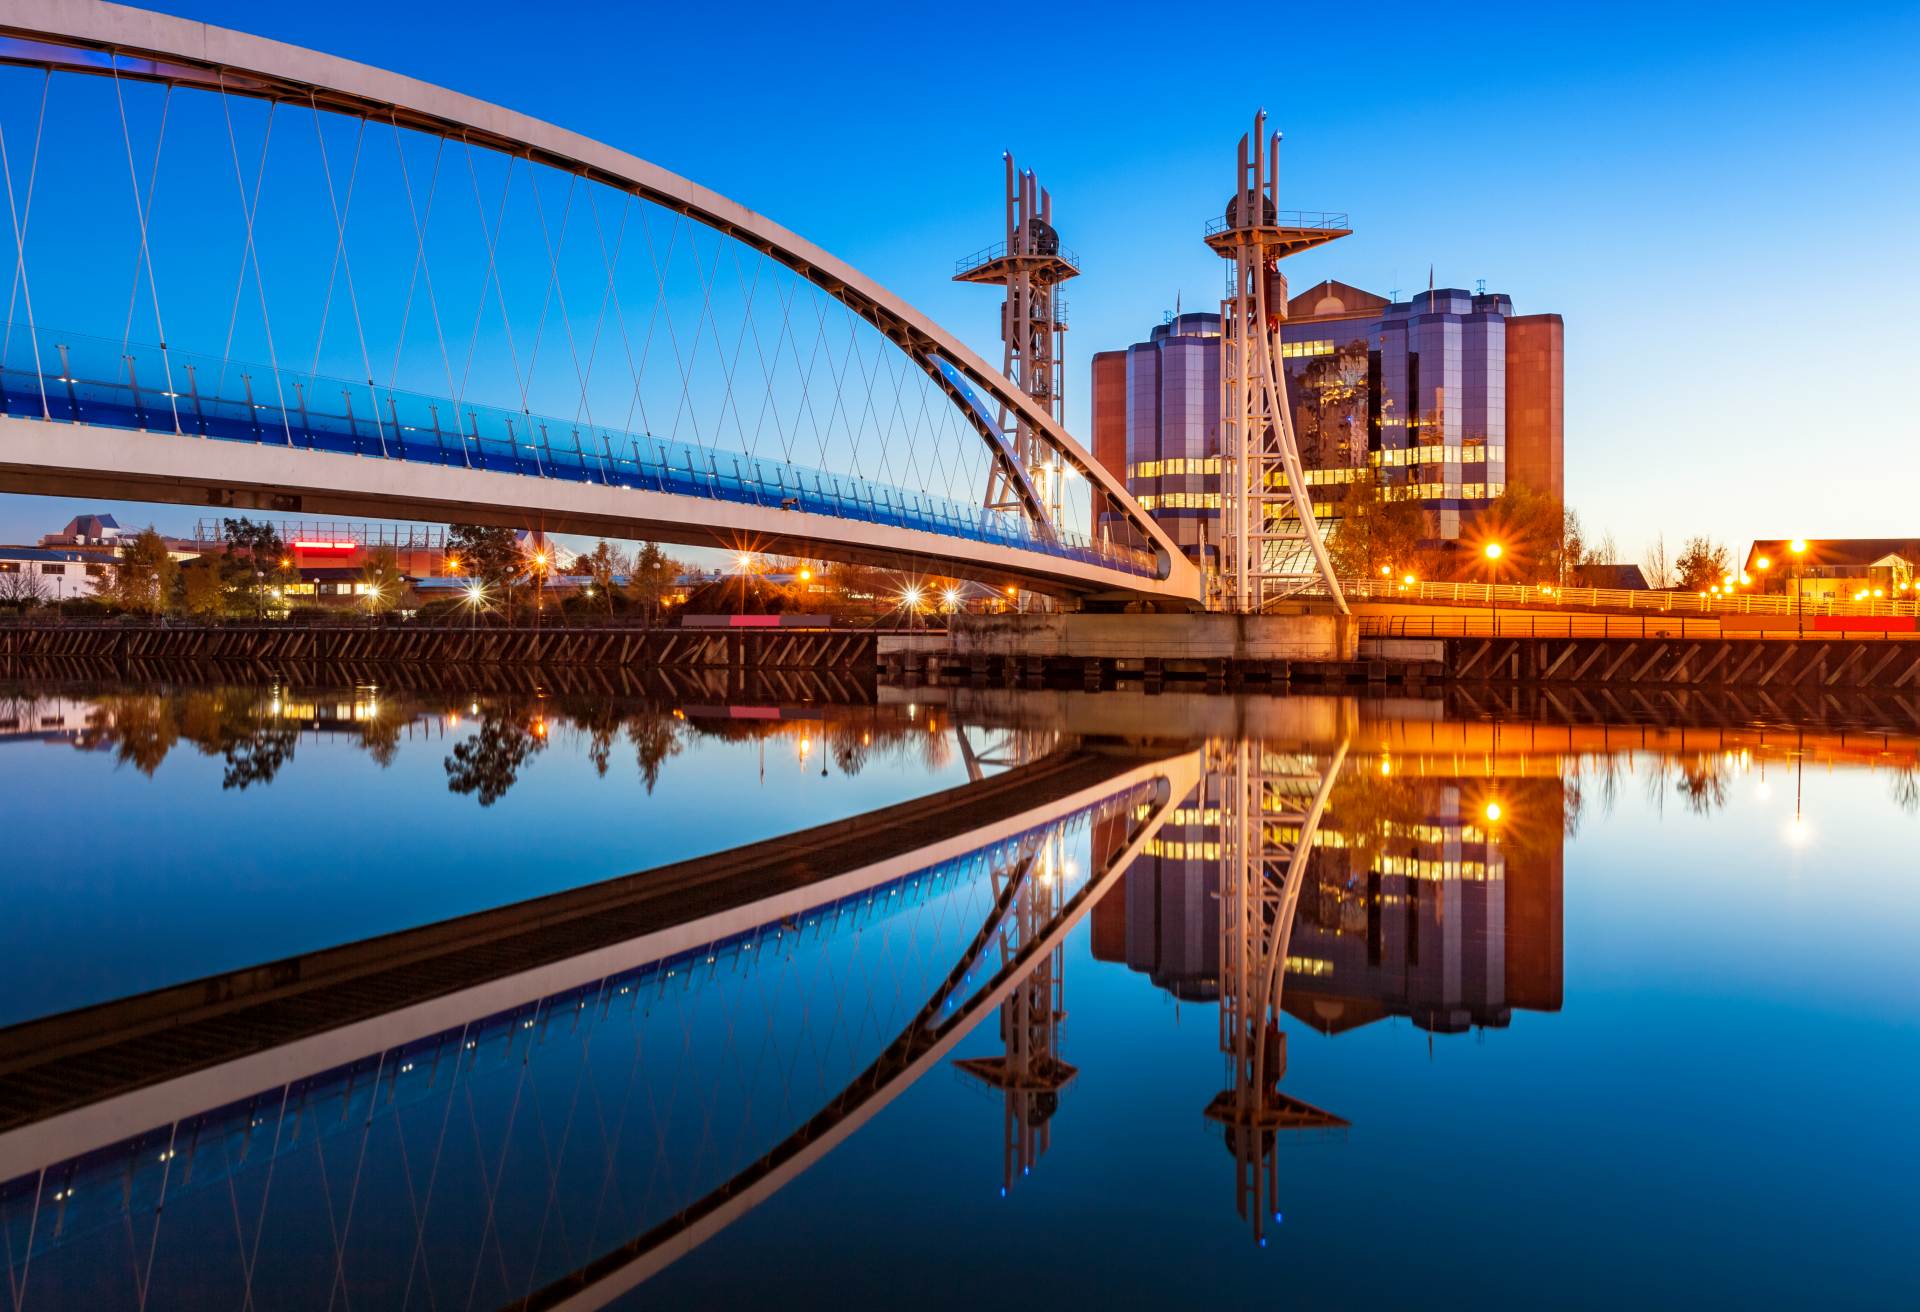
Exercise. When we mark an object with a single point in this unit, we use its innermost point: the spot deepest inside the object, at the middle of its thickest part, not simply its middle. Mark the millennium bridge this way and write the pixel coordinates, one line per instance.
(249, 275)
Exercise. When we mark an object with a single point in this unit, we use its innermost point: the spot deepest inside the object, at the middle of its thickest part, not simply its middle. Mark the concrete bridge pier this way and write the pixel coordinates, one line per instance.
(1095, 650)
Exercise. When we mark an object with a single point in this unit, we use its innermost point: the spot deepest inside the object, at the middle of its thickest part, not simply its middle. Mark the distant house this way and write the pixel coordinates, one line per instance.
(1628, 577)
(39, 573)
(1837, 569)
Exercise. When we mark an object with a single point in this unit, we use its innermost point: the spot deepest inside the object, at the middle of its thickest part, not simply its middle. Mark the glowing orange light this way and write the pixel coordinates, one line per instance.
(1493, 550)
(1493, 812)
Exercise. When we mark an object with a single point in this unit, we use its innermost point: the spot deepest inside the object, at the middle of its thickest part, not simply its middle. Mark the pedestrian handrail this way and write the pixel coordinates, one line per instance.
(1662, 601)
(1487, 624)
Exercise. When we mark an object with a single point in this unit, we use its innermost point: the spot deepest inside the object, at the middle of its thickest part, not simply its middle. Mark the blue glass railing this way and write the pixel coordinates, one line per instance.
(90, 380)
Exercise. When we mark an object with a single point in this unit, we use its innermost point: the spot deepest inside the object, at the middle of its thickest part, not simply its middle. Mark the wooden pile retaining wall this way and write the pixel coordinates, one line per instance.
(1822, 663)
(280, 644)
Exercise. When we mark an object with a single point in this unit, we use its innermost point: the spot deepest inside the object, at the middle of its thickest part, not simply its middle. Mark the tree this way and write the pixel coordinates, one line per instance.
(652, 578)
(1659, 573)
(201, 591)
(599, 566)
(254, 560)
(21, 589)
(142, 580)
(489, 555)
(1379, 534)
(1531, 528)
(656, 737)
(488, 763)
(1702, 564)
(1573, 545)
(380, 576)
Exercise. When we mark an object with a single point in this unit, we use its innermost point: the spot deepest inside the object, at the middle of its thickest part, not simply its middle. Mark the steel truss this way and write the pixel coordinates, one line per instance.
(1273, 546)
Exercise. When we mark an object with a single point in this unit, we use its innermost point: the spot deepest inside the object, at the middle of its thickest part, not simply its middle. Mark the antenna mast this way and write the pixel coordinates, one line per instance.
(1274, 547)
(1030, 263)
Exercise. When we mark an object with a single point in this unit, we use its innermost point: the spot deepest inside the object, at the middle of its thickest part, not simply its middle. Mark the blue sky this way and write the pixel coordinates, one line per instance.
(1720, 202)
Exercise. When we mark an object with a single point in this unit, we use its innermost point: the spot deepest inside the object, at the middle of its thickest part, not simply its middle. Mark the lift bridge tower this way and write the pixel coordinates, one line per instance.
(1031, 264)
(1274, 548)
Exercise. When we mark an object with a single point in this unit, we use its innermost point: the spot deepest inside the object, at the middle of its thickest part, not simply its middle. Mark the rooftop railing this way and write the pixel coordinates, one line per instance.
(1312, 220)
(998, 251)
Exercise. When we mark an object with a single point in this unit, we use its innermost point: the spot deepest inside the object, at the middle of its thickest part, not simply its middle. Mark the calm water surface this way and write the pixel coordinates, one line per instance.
(1107, 998)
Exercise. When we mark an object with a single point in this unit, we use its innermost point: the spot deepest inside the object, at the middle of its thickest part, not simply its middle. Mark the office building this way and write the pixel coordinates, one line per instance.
(1449, 396)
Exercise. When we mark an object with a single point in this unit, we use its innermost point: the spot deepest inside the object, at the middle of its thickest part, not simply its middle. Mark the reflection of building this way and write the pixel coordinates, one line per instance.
(1164, 918)
(1449, 396)
(1414, 905)
(1447, 922)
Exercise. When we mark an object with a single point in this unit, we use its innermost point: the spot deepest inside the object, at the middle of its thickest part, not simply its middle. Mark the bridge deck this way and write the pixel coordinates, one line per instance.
(226, 404)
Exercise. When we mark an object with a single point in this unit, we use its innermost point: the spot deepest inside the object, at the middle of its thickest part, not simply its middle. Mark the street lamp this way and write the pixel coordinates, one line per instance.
(1493, 551)
(476, 597)
(1799, 548)
(539, 586)
(743, 565)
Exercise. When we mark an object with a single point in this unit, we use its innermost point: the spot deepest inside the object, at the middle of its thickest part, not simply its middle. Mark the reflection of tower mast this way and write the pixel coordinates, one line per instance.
(1270, 808)
(1029, 1073)
(1030, 264)
(1273, 544)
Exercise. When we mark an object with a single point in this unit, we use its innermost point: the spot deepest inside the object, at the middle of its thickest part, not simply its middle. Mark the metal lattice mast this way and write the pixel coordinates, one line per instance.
(1273, 545)
(1031, 265)
(1270, 807)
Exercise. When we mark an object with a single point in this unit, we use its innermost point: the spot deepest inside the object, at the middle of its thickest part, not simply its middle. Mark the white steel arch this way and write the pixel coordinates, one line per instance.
(90, 36)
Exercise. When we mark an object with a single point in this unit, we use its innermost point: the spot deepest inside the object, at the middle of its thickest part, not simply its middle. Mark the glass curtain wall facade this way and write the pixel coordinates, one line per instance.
(1422, 392)
(1414, 390)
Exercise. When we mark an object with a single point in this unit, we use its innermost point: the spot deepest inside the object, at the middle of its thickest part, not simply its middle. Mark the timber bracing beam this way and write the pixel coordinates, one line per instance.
(1844, 664)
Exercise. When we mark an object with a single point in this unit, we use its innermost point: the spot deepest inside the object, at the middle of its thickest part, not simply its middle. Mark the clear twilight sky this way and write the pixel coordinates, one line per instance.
(1723, 201)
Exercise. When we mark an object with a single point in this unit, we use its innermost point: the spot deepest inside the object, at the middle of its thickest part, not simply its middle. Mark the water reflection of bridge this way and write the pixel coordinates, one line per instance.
(290, 1123)
(545, 1104)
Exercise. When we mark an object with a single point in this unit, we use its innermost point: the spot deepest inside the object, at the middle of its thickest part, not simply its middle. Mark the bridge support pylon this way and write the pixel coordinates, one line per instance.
(1274, 548)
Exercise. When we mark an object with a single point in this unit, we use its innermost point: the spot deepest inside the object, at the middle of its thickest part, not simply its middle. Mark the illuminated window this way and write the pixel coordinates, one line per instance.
(1298, 350)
